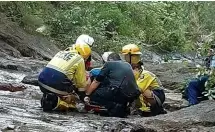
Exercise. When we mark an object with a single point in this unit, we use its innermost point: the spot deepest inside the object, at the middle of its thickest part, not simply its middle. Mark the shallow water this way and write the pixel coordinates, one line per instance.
(20, 111)
(11, 76)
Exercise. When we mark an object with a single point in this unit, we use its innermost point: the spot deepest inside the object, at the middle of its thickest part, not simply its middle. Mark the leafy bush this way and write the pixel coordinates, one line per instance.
(166, 26)
(210, 86)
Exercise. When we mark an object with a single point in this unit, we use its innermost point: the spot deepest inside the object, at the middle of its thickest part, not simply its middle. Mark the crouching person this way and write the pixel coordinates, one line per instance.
(114, 87)
(193, 92)
(152, 95)
(64, 77)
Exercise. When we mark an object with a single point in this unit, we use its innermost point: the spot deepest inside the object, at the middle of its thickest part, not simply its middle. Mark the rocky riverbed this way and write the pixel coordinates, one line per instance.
(22, 57)
(20, 111)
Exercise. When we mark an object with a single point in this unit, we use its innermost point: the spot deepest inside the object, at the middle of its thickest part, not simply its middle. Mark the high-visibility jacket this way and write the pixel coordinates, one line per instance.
(65, 67)
(146, 81)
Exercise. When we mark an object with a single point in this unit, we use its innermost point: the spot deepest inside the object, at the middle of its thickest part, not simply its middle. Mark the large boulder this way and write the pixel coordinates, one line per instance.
(25, 64)
(195, 118)
(96, 60)
(148, 56)
(172, 75)
(31, 79)
(16, 42)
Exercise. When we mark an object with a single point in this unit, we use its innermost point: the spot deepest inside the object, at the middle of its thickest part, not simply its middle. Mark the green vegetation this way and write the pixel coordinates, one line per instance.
(210, 87)
(164, 26)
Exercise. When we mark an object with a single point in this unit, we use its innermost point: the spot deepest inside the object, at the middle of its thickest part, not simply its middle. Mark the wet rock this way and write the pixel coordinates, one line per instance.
(18, 49)
(31, 79)
(172, 105)
(172, 75)
(15, 42)
(29, 117)
(200, 117)
(9, 50)
(12, 87)
(22, 64)
(150, 57)
(96, 60)
(123, 126)
(10, 127)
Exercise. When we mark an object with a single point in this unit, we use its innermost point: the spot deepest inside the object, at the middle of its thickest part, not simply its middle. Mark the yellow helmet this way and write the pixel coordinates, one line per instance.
(132, 59)
(131, 49)
(83, 49)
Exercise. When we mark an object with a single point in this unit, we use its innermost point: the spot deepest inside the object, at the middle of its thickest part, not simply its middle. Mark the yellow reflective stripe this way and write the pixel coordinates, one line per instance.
(53, 90)
(58, 103)
(157, 99)
(81, 89)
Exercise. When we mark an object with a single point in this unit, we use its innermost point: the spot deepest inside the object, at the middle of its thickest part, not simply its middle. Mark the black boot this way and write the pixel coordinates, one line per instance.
(49, 101)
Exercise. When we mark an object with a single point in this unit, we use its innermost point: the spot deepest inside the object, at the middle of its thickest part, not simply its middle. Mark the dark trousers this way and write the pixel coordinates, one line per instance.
(193, 93)
(106, 97)
(157, 108)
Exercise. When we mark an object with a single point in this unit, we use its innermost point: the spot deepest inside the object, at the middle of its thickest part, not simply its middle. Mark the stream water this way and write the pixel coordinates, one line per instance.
(20, 111)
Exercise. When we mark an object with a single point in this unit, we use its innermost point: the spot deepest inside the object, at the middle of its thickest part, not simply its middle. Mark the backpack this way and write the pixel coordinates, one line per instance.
(124, 92)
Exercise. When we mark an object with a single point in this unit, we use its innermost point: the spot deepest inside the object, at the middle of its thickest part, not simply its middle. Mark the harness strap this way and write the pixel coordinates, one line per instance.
(157, 99)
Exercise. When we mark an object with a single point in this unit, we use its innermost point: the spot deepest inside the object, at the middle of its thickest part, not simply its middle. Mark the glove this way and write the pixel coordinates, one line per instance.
(87, 99)
(80, 107)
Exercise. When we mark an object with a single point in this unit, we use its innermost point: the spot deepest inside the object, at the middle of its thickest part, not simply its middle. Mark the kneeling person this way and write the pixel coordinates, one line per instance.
(64, 76)
(114, 87)
(193, 92)
(152, 95)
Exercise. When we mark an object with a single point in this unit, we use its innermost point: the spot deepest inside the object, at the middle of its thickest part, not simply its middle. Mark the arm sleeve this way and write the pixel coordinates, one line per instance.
(145, 82)
(103, 73)
(80, 76)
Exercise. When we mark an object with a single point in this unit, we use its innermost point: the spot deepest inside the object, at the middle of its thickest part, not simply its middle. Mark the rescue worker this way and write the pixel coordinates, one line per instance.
(152, 94)
(193, 92)
(63, 77)
(105, 56)
(114, 87)
(86, 39)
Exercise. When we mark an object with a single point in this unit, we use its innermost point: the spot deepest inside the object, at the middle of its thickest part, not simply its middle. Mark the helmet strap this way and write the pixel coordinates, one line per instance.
(129, 57)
